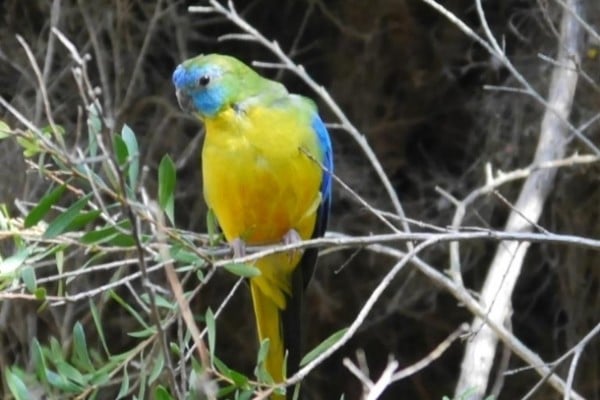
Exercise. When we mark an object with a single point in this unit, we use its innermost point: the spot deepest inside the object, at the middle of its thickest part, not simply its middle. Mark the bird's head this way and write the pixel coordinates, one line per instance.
(207, 84)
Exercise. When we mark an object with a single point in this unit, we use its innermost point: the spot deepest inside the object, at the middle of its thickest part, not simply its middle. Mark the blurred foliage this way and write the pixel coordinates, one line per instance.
(74, 313)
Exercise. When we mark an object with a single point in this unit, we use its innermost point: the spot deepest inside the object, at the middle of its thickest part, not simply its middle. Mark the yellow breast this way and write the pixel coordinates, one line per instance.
(258, 178)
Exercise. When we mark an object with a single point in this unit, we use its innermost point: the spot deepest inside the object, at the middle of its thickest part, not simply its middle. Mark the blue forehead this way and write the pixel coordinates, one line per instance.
(187, 76)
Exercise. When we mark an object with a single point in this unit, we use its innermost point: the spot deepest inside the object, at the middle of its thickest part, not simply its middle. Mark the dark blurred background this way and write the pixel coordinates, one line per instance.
(412, 83)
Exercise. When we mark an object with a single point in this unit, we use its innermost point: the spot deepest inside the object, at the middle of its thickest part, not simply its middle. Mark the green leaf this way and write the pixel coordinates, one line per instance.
(5, 130)
(58, 131)
(71, 373)
(60, 381)
(245, 395)
(161, 301)
(324, 345)
(120, 150)
(62, 222)
(157, 368)
(221, 393)
(242, 269)
(122, 240)
(80, 348)
(212, 336)
(261, 372)
(97, 322)
(28, 277)
(166, 187)
(144, 333)
(60, 267)
(124, 389)
(296, 394)
(45, 204)
(82, 220)
(38, 360)
(131, 311)
(160, 393)
(16, 386)
(10, 264)
(107, 234)
(142, 384)
(221, 367)
(134, 155)
(240, 380)
(40, 293)
(29, 145)
(99, 235)
(181, 254)
(55, 352)
(94, 127)
(174, 347)
(212, 227)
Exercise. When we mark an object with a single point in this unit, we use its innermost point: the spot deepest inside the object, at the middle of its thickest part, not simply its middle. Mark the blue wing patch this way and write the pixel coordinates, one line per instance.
(327, 161)
(325, 144)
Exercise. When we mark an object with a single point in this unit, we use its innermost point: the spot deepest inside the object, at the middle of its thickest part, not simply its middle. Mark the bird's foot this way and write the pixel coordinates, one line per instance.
(239, 248)
(292, 237)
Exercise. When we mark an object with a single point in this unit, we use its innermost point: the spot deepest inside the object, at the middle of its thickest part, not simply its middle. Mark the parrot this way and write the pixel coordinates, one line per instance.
(267, 163)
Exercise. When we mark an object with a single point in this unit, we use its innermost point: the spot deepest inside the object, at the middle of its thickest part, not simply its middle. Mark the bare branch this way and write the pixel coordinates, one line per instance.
(506, 266)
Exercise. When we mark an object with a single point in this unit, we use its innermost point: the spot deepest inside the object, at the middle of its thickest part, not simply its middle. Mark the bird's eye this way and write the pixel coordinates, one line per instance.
(204, 80)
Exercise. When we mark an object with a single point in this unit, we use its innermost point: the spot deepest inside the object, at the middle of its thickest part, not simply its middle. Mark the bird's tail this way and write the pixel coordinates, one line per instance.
(268, 324)
(279, 318)
(278, 308)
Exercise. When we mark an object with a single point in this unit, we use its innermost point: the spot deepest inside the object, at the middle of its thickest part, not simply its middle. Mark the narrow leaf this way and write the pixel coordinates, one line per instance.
(175, 349)
(210, 326)
(109, 234)
(144, 333)
(261, 371)
(41, 209)
(160, 393)
(97, 322)
(124, 389)
(16, 386)
(82, 220)
(28, 277)
(212, 227)
(40, 294)
(324, 345)
(181, 254)
(242, 269)
(239, 379)
(131, 311)
(120, 150)
(166, 187)
(157, 368)
(10, 264)
(246, 395)
(38, 360)
(134, 155)
(4, 130)
(62, 222)
(94, 127)
(71, 373)
(81, 348)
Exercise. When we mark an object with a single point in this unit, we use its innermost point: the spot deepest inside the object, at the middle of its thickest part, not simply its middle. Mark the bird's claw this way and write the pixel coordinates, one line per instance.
(292, 237)
(239, 248)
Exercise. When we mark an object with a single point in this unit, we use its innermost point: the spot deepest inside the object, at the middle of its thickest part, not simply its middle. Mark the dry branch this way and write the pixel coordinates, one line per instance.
(506, 265)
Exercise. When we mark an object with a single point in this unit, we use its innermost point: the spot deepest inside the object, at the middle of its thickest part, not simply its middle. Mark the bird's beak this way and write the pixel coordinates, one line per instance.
(184, 100)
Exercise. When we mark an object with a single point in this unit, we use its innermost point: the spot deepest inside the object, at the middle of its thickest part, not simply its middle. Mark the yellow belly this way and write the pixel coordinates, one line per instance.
(258, 179)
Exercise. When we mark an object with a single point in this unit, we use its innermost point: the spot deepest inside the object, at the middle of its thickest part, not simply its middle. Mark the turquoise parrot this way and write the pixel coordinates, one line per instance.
(267, 163)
